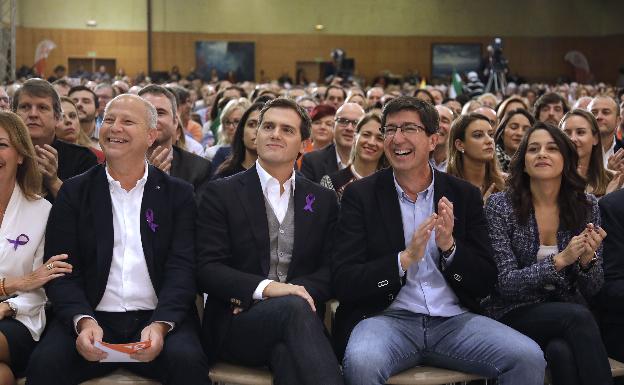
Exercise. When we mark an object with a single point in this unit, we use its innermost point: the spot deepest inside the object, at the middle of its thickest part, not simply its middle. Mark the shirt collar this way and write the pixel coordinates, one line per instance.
(113, 183)
(426, 193)
(339, 161)
(266, 178)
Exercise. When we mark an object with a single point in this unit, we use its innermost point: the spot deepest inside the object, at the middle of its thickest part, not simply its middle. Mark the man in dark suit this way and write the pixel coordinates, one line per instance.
(316, 164)
(610, 299)
(163, 154)
(411, 262)
(39, 106)
(263, 240)
(128, 230)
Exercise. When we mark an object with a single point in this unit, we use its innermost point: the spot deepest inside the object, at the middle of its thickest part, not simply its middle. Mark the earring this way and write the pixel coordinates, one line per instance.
(462, 150)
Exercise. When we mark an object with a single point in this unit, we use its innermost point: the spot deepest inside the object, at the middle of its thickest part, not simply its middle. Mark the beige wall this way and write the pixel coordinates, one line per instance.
(341, 17)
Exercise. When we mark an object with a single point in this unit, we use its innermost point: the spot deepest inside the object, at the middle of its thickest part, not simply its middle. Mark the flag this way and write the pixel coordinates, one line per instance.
(423, 83)
(457, 85)
(41, 54)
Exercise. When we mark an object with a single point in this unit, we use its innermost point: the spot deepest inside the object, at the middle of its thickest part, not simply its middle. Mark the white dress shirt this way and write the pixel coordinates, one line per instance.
(25, 222)
(608, 153)
(278, 202)
(129, 286)
(339, 161)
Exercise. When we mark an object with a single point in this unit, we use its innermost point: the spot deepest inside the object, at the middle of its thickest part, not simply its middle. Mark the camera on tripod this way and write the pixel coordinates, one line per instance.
(497, 68)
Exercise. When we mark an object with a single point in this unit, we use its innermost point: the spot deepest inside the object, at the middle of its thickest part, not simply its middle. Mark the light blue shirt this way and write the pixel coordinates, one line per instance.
(425, 291)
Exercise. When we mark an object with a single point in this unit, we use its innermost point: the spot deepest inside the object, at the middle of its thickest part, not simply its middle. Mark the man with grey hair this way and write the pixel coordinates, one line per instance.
(128, 229)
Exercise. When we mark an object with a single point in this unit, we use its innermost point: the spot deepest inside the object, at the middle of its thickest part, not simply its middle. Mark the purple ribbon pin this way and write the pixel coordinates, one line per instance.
(21, 240)
(149, 215)
(309, 200)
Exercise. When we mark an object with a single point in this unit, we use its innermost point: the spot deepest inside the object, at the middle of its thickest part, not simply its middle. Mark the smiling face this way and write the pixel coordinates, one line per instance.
(230, 123)
(279, 140)
(579, 130)
(9, 159)
(323, 130)
(514, 131)
(345, 122)
(68, 128)
(124, 133)
(369, 142)
(543, 159)
(408, 152)
(478, 143)
(446, 118)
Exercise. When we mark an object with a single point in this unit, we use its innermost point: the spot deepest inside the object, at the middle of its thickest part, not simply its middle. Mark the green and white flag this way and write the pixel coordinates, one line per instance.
(457, 86)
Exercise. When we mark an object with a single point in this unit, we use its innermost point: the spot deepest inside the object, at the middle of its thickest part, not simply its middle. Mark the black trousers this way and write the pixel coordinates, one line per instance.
(56, 361)
(570, 338)
(285, 334)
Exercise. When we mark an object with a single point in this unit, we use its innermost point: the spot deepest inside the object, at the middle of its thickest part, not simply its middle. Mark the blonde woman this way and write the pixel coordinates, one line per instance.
(23, 218)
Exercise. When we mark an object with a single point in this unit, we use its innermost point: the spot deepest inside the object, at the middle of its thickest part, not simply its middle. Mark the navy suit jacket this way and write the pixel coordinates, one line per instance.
(369, 236)
(81, 225)
(233, 248)
(316, 164)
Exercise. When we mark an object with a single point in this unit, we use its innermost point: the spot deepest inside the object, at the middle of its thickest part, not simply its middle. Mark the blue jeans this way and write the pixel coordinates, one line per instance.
(396, 340)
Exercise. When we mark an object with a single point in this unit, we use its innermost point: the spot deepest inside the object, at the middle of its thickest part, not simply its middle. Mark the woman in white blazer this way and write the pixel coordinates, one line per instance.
(23, 218)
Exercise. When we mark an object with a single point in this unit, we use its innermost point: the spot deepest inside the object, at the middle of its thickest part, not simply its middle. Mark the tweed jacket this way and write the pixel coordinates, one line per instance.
(522, 280)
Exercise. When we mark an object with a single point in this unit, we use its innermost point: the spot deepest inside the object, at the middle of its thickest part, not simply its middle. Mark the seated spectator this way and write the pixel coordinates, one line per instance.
(366, 157)
(357, 98)
(489, 113)
(5, 101)
(470, 106)
(322, 127)
(547, 238)
(582, 128)
(439, 156)
(472, 156)
(582, 103)
(128, 229)
(244, 152)
(69, 129)
(163, 154)
(23, 216)
(409, 295)
(336, 155)
(263, 243)
(307, 103)
(455, 106)
(607, 113)
(510, 104)
(488, 100)
(425, 95)
(230, 117)
(509, 134)
(335, 96)
(610, 300)
(550, 108)
(39, 107)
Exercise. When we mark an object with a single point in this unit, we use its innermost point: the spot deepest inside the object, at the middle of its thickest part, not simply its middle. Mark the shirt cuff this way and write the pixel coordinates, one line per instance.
(170, 324)
(257, 295)
(447, 261)
(77, 319)
(401, 271)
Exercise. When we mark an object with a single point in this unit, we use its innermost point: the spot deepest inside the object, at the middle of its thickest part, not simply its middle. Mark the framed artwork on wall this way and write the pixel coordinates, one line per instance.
(232, 60)
(461, 57)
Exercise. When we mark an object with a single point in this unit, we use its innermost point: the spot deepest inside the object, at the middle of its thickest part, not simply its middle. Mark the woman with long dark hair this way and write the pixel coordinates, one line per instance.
(243, 153)
(471, 153)
(546, 236)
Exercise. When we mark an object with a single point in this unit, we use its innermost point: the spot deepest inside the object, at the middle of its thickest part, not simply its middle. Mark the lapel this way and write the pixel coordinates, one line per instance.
(304, 220)
(175, 162)
(152, 206)
(387, 200)
(252, 201)
(102, 209)
(330, 160)
(440, 189)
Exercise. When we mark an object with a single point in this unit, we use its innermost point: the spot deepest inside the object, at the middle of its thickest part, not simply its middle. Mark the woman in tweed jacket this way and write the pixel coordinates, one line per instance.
(546, 237)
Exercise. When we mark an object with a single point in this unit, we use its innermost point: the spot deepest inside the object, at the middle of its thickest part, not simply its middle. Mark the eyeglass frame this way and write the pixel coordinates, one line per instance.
(418, 128)
(346, 123)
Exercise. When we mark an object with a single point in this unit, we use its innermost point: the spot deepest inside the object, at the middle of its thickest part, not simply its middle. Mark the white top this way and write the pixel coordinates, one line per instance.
(24, 223)
(129, 286)
(546, 251)
(339, 161)
(607, 154)
(278, 202)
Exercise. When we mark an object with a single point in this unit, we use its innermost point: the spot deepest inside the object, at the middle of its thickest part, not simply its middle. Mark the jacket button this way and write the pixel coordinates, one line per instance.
(390, 297)
(457, 277)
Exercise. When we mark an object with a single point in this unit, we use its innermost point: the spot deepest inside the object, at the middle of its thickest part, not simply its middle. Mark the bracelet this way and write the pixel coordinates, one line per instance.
(2, 290)
(447, 253)
(590, 264)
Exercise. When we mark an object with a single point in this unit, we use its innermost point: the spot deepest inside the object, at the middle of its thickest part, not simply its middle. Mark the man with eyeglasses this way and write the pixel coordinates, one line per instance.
(336, 156)
(411, 264)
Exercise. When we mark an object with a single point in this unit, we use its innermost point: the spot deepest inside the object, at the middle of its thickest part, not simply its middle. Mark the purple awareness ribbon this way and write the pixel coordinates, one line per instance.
(309, 200)
(149, 215)
(21, 240)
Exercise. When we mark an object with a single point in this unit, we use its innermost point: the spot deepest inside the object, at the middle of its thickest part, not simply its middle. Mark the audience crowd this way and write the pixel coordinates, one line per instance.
(481, 232)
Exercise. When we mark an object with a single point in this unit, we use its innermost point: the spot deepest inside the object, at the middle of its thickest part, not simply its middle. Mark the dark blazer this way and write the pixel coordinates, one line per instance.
(72, 160)
(233, 254)
(81, 225)
(319, 163)
(369, 236)
(610, 299)
(220, 156)
(191, 168)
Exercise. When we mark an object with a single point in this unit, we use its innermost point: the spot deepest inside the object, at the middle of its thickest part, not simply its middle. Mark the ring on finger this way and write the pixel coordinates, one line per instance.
(50, 266)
